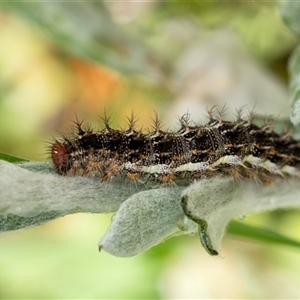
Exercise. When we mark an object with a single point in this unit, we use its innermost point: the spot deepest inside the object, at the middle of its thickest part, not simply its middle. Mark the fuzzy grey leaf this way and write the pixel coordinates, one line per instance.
(144, 220)
(213, 202)
(294, 68)
(32, 193)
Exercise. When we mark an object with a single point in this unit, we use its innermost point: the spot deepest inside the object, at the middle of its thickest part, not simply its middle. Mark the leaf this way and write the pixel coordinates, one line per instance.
(32, 193)
(261, 234)
(294, 73)
(141, 223)
(213, 203)
(12, 158)
(290, 11)
(144, 220)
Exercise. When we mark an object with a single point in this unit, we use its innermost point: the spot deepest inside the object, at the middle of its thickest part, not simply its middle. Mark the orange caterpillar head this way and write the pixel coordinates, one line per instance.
(60, 158)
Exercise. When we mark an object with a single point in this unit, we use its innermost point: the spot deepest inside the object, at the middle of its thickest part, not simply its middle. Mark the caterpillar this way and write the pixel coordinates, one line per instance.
(237, 148)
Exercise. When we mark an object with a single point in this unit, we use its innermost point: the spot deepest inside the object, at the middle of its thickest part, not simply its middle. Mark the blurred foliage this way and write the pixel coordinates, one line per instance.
(258, 23)
(289, 11)
(82, 56)
(85, 30)
(290, 15)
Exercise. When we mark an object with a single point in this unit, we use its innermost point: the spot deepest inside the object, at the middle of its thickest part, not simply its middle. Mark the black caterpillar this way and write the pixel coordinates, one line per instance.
(239, 149)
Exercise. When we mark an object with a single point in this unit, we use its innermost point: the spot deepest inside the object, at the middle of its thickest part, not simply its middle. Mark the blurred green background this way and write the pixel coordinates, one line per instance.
(58, 59)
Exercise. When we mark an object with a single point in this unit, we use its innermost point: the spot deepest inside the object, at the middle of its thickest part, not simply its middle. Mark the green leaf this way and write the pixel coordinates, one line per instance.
(11, 158)
(260, 234)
